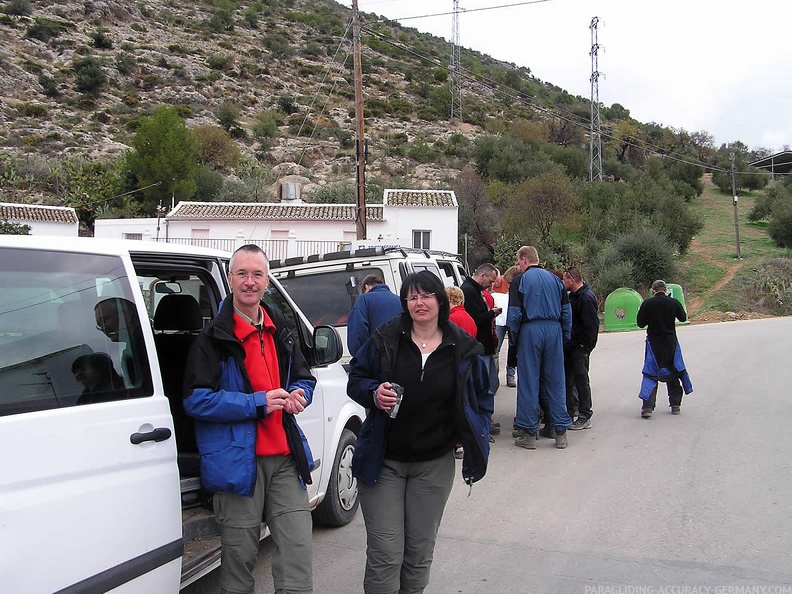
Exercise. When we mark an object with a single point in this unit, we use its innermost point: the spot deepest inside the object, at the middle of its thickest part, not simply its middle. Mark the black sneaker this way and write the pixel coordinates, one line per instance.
(547, 431)
(675, 410)
(511, 382)
(581, 423)
(495, 429)
(646, 413)
(526, 439)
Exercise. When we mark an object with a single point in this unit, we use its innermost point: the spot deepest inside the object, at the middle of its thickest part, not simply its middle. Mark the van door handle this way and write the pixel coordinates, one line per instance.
(160, 434)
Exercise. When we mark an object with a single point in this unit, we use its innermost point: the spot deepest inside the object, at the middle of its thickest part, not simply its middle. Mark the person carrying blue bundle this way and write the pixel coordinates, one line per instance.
(663, 357)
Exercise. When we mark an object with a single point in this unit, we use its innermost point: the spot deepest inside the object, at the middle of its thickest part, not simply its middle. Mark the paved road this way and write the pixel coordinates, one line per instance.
(631, 506)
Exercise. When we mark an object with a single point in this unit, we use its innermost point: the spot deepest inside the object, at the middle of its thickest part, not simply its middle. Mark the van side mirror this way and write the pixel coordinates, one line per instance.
(328, 347)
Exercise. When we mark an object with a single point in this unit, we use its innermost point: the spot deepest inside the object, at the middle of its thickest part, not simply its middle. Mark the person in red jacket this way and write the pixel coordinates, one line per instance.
(458, 314)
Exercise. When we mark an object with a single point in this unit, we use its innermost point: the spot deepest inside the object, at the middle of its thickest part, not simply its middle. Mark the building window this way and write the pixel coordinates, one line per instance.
(138, 236)
(421, 239)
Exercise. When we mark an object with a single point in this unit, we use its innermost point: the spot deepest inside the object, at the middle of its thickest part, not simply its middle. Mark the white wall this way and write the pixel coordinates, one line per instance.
(397, 229)
(115, 228)
(52, 229)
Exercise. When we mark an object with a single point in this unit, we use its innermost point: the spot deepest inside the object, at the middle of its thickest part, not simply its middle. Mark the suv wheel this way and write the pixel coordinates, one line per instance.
(341, 500)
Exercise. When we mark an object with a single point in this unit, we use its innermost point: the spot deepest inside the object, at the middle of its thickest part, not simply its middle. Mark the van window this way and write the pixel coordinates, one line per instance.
(328, 297)
(69, 332)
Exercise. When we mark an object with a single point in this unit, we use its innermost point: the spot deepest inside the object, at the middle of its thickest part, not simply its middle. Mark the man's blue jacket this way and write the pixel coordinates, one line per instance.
(371, 310)
(219, 396)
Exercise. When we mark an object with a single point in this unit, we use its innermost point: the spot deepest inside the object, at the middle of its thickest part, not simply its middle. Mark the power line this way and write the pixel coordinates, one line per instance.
(555, 112)
(437, 14)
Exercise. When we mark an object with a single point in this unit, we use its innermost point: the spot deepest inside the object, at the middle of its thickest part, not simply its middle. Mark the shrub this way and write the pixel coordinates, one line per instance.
(46, 29)
(215, 147)
(90, 76)
(651, 254)
(49, 86)
(612, 277)
(228, 115)
(780, 228)
(266, 128)
(218, 61)
(31, 110)
(19, 8)
(287, 105)
(7, 228)
(209, 183)
(125, 63)
(101, 40)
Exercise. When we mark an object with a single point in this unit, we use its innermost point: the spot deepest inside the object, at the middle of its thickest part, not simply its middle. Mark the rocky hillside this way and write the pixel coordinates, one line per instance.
(76, 77)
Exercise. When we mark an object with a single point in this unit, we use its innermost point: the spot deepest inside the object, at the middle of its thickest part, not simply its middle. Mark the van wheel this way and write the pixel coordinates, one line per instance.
(341, 500)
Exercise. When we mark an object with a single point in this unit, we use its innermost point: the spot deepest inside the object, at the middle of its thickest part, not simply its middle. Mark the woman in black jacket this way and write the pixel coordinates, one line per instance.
(404, 457)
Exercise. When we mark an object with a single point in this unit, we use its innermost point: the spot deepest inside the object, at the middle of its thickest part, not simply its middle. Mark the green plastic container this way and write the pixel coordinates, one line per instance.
(675, 291)
(621, 310)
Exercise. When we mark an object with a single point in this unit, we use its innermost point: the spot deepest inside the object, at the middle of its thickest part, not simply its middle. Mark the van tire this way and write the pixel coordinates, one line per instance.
(341, 501)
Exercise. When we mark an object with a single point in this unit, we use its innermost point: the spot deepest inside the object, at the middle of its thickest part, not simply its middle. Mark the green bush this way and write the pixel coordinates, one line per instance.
(90, 78)
(612, 277)
(215, 147)
(287, 104)
(279, 46)
(780, 228)
(45, 29)
(7, 228)
(101, 40)
(218, 61)
(651, 254)
(49, 86)
(19, 8)
(209, 183)
(31, 110)
(422, 152)
(125, 63)
(266, 128)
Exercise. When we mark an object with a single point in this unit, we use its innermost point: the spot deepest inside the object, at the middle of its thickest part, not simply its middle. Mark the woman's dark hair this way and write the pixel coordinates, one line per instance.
(426, 282)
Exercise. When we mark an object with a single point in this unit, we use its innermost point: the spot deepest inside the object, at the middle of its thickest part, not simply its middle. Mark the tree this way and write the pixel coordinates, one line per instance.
(543, 202)
(7, 228)
(164, 160)
(478, 218)
(216, 148)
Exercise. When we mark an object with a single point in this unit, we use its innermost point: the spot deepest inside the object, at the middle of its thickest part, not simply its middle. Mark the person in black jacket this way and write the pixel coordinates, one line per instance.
(404, 459)
(585, 329)
(658, 315)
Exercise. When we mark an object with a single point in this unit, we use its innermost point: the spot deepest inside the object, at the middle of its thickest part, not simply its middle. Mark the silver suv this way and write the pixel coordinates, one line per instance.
(325, 286)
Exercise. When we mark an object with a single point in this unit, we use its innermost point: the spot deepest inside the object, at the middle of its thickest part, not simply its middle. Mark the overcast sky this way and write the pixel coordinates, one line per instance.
(723, 67)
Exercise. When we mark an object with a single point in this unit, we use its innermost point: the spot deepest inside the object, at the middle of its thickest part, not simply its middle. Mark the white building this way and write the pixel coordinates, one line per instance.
(409, 218)
(43, 220)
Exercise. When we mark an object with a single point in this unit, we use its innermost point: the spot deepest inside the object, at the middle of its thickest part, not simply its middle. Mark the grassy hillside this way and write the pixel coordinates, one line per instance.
(715, 282)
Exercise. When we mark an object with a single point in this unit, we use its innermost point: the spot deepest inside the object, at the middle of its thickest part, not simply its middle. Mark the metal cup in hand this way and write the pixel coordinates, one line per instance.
(399, 393)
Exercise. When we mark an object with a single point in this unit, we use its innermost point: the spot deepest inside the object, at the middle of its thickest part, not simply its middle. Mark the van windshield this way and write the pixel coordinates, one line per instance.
(69, 332)
(327, 298)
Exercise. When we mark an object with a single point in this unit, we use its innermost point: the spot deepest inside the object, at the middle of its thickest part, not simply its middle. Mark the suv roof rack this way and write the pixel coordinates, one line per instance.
(361, 253)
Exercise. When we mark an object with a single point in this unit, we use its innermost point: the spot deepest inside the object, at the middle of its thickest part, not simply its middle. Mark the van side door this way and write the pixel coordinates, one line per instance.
(89, 487)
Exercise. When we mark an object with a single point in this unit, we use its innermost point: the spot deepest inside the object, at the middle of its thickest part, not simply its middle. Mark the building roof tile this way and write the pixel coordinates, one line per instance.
(420, 198)
(271, 211)
(25, 213)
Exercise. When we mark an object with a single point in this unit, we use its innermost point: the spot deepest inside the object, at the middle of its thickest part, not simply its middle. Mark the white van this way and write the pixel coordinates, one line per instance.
(99, 482)
(325, 286)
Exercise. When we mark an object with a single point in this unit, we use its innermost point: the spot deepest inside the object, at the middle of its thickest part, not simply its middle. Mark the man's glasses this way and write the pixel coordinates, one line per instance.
(421, 296)
(257, 276)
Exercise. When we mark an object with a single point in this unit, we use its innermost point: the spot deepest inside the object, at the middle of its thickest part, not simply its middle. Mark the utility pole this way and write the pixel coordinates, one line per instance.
(455, 78)
(360, 142)
(734, 196)
(595, 130)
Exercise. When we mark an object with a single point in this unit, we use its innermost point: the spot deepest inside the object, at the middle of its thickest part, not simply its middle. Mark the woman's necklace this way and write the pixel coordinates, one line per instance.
(423, 344)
